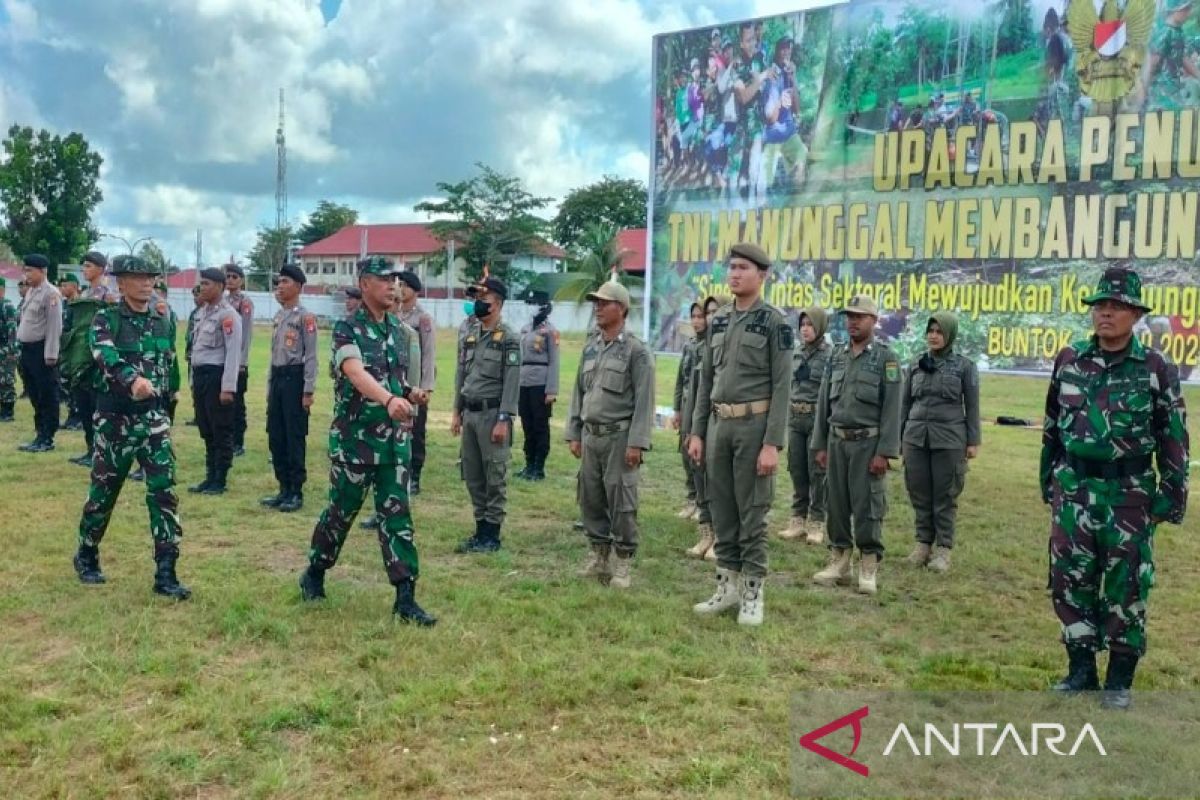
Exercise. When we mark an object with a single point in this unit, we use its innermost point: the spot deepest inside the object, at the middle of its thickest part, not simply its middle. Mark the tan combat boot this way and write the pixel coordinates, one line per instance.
(815, 532)
(596, 565)
(620, 571)
(727, 595)
(751, 610)
(795, 529)
(919, 557)
(941, 559)
(868, 570)
(707, 540)
(688, 509)
(838, 570)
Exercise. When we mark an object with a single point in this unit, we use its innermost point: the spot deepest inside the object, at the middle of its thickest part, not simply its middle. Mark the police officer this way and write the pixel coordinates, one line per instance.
(539, 386)
(808, 478)
(188, 336)
(216, 359)
(134, 345)
(162, 303)
(9, 354)
(39, 332)
(940, 431)
(689, 357)
(609, 427)
(856, 431)
(739, 427)
(412, 314)
(353, 300)
(1113, 413)
(235, 281)
(486, 388)
(374, 363)
(290, 389)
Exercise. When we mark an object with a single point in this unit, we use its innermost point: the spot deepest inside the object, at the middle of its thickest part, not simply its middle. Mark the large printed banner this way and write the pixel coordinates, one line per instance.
(987, 158)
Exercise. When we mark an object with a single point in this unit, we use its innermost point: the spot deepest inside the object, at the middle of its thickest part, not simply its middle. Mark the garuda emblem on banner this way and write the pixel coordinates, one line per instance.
(1110, 45)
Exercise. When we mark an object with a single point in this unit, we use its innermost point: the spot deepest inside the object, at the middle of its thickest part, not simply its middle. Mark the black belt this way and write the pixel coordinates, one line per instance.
(480, 405)
(198, 367)
(288, 369)
(124, 405)
(605, 428)
(1121, 468)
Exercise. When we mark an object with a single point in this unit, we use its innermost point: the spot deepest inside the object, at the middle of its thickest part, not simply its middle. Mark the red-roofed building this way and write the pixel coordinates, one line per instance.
(633, 242)
(13, 273)
(330, 262)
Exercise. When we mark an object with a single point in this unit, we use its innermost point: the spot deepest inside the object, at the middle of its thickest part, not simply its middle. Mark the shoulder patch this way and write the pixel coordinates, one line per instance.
(555, 335)
(786, 340)
(498, 336)
(891, 371)
(310, 323)
(246, 307)
(53, 299)
(513, 357)
(469, 340)
(227, 326)
(426, 324)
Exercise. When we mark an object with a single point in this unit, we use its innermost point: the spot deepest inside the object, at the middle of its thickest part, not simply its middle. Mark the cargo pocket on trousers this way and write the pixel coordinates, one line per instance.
(627, 498)
(878, 497)
(764, 491)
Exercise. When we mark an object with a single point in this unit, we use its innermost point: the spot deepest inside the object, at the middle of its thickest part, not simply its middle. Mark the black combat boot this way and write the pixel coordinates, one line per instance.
(472, 543)
(538, 473)
(6, 412)
(165, 582)
(87, 565)
(1081, 672)
(217, 484)
(202, 486)
(406, 607)
(1118, 683)
(275, 500)
(294, 500)
(526, 470)
(487, 541)
(312, 584)
(414, 483)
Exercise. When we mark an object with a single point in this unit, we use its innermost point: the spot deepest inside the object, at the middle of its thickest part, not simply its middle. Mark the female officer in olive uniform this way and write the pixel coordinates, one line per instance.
(940, 419)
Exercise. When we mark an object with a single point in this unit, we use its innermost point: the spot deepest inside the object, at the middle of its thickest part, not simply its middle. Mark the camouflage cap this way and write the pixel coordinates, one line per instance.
(861, 304)
(751, 252)
(1121, 284)
(612, 292)
(68, 277)
(132, 265)
(377, 265)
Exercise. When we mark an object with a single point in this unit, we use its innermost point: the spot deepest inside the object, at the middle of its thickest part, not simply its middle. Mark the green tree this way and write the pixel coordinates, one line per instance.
(326, 220)
(597, 257)
(490, 218)
(48, 190)
(270, 250)
(154, 254)
(611, 201)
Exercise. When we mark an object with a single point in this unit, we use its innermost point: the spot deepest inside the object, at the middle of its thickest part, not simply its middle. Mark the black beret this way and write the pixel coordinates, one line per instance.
(234, 269)
(37, 261)
(410, 277)
(212, 274)
(354, 292)
(294, 272)
(751, 252)
(95, 257)
(489, 284)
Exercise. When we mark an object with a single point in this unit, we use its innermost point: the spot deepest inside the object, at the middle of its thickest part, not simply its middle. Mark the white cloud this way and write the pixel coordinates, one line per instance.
(22, 19)
(177, 205)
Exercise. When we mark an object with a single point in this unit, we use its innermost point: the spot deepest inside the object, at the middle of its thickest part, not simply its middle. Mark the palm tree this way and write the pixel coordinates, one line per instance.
(598, 258)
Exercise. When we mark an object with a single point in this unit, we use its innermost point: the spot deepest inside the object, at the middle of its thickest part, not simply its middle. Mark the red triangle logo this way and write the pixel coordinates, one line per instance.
(854, 719)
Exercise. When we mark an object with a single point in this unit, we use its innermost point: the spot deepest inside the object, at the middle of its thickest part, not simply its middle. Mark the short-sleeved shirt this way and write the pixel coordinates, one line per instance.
(244, 307)
(41, 318)
(294, 343)
(539, 357)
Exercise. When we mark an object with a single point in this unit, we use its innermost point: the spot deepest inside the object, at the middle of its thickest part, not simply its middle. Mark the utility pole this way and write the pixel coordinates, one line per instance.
(199, 249)
(281, 182)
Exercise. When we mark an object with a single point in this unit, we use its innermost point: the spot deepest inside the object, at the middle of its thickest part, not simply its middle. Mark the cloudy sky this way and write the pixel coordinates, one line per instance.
(384, 99)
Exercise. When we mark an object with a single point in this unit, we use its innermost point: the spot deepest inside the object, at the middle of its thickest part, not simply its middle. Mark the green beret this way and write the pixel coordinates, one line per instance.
(751, 252)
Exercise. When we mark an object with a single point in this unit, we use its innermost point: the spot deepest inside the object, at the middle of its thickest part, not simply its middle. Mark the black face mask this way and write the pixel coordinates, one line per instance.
(482, 308)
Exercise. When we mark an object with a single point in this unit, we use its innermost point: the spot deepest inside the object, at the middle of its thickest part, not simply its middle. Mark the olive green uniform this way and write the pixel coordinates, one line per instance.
(486, 390)
(940, 420)
(612, 409)
(808, 368)
(858, 418)
(741, 407)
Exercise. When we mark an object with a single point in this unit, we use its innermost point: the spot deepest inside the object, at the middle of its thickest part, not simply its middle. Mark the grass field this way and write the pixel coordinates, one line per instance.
(534, 683)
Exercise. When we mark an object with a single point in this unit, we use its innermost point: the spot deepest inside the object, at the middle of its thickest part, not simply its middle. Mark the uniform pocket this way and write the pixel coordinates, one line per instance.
(752, 351)
(627, 496)
(866, 389)
(764, 491)
(950, 387)
(718, 347)
(878, 497)
(613, 378)
(491, 363)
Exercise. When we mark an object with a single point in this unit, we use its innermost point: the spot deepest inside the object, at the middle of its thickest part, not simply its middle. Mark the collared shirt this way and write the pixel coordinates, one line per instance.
(102, 291)
(244, 307)
(420, 321)
(539, 357)
(489, 367)
(41, 318)
(1105, 408)
(808, 368)
(614, 383)
(861, 391)
(940, 409)
(217, 342)
(294, 341)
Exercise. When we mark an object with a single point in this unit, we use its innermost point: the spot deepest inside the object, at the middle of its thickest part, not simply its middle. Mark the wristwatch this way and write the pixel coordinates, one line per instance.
(503, 417)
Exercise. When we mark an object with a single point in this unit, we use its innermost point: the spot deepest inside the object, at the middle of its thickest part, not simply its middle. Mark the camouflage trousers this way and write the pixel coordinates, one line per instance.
(348, 486)
(122, 439)
(1101, 571)
(8, 381)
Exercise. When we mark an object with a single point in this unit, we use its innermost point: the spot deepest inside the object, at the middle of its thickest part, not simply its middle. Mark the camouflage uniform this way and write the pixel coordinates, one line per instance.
(745, 149)
(128, 345)
(1171, 45)
(1110, 418)
(9, 353)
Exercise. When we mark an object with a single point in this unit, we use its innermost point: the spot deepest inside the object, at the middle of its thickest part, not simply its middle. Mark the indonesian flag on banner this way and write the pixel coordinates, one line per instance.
(1109, 37)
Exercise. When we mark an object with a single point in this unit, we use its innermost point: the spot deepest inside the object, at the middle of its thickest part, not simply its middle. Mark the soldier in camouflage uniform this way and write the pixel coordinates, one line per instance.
(375, 358)
(745, 151)
(486, 390)
(688, 360)
(9, 354)
(1171, 62)
(134, 346)
(738, 428)
(808, 477)
(1114, 412)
